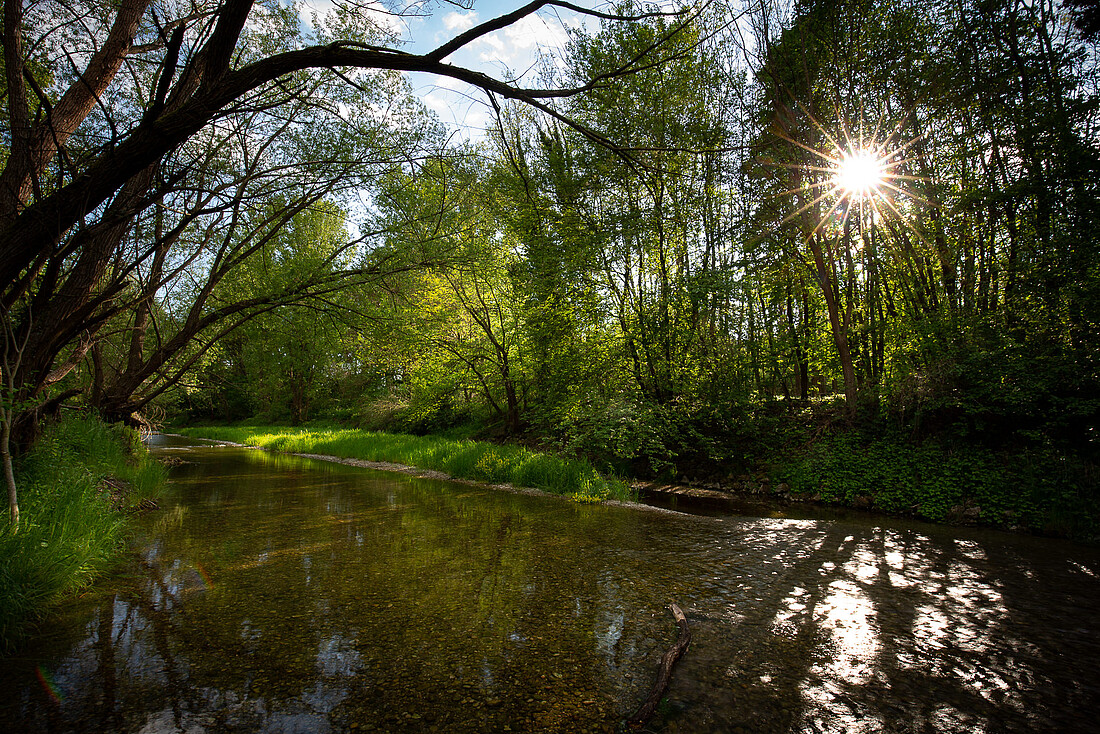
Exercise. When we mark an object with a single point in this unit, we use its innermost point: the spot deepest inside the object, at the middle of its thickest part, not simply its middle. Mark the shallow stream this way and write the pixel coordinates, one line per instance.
(279, 594)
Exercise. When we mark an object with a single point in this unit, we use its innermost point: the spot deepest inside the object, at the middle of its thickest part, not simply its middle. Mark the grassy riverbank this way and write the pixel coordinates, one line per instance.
(476, 460)
(75, 489)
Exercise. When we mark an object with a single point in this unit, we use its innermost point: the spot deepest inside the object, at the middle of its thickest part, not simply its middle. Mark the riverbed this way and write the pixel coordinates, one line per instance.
(280, 594)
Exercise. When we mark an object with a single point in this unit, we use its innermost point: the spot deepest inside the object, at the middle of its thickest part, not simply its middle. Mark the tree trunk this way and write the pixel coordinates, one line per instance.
(9, 474)
(299, 398)
(838, 323)
(10, 360)
(36, 145)
(513, 405)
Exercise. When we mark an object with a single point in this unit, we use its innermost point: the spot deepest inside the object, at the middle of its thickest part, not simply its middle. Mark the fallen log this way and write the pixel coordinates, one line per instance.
(664, 672)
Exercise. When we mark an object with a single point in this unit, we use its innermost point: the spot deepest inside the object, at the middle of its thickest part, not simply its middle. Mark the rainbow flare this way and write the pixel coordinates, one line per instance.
(49, 684)
(206, 580)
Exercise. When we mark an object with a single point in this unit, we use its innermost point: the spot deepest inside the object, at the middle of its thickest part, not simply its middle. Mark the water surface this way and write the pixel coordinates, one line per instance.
(281, 594)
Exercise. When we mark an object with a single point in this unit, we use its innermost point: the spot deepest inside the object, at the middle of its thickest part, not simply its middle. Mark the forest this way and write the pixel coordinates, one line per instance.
(846, 251)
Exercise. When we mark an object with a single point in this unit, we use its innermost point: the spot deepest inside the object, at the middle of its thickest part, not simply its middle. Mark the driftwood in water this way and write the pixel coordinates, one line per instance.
(664, 673)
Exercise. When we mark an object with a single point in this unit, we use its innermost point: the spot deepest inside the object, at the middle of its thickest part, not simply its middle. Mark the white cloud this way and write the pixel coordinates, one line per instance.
(495, 50)
(449, 82)
(370, 13)
(307, 8)
(533, 30)
(517, 47)
(457, 105)
(514, 49)
(457, 22)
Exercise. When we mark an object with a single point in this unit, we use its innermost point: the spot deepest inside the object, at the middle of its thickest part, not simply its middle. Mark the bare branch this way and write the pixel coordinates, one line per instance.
(503, 21)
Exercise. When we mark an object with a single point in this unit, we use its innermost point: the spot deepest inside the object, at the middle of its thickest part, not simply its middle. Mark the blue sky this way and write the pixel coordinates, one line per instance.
(511, 51)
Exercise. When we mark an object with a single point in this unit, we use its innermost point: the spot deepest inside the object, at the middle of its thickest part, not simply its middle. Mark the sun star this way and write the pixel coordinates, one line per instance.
(854, 175)
(859, 173)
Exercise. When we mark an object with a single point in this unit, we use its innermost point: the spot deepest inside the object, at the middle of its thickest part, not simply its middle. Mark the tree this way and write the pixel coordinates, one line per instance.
(187, 97)
(656, 260)
(467, 306)
(979, 110)
(1086, 16)
(293, 253)
(93, 155)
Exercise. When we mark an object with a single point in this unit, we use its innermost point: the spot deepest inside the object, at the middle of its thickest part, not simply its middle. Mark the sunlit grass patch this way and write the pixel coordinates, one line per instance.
(463, 459)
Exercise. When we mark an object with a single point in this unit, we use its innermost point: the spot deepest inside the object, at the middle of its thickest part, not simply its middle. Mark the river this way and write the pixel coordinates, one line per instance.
(279, 594)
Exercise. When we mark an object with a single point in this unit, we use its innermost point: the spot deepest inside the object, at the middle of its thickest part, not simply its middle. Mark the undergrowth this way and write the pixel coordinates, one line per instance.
(944, 481)
(72, 519)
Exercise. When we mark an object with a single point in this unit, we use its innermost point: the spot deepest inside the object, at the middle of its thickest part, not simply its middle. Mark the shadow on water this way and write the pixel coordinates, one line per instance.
(878, 629)
(284, 595)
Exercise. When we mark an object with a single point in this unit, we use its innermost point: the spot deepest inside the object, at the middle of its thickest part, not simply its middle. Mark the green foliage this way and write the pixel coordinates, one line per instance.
(463, 459)
(943, 481)
(71, 522)
(426, 413)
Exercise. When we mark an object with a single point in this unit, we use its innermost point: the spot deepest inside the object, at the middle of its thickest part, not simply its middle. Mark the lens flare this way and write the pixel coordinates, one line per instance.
(847, 175)
(48, 684)
(207, 582)
(859, 173)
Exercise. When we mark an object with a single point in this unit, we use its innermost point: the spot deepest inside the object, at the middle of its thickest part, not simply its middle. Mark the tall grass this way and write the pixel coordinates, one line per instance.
(463, 459)
(70, 528)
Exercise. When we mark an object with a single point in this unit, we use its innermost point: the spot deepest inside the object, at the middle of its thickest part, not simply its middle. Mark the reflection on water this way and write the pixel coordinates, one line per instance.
(279, 594)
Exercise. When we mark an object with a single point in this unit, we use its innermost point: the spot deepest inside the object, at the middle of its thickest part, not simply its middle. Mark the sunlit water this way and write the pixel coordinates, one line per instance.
(287, 595)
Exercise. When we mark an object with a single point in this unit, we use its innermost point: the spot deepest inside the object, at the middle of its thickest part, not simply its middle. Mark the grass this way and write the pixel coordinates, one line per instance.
(71, 525)
(462, 459)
